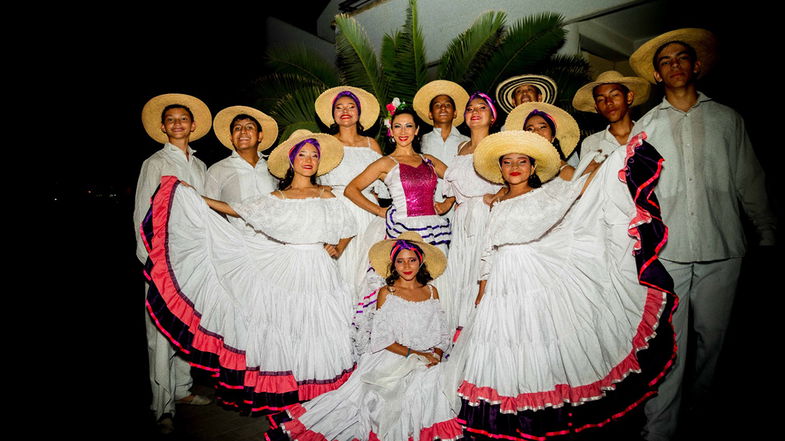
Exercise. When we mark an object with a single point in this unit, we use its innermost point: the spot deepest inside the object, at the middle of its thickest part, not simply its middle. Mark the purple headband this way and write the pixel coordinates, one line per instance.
(548, 119)
(350, 95)
(487, 100)
(405, 245)
(297, 147)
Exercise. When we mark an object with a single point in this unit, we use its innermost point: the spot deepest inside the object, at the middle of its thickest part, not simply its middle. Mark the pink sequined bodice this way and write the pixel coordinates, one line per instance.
(413, 190)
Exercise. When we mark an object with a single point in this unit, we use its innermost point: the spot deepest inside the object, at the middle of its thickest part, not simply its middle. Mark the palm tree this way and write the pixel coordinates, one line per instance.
(488, 52)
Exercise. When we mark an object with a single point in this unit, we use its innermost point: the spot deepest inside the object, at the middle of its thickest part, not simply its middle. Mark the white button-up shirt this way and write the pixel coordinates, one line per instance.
(710, 169)
(433, 144)
(169, 161)
(596, 147)
(233, 179)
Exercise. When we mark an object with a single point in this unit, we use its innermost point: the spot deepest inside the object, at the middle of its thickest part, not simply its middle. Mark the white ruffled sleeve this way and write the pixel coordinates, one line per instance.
(383, 332)
(528, 217)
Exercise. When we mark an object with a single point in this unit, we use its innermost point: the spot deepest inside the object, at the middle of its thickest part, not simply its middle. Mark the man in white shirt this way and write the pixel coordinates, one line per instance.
(174, 120)
(710, 170)
(243, 174)
(441, 103)
(613, 96)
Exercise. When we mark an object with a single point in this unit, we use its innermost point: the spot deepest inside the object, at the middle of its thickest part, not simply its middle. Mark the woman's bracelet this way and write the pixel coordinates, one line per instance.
(408, 351)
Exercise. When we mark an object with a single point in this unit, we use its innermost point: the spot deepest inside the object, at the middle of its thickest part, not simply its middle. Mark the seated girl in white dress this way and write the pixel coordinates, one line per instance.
(396, 393)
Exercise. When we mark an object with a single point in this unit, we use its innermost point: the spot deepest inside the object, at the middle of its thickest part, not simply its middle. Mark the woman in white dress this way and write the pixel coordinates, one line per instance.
(472, 195)
(348, 111)
(396, 392)
(273, 326)
(572, 330)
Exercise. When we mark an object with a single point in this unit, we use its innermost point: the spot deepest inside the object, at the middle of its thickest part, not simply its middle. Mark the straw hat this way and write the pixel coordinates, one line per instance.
(567, 130)
(506, 89)
(424, 96)
(380, 258)
(331, 152)
(493, 147)
(152, 110)
(703, 41)
(584, 97)
(369, 105)
(224, 133)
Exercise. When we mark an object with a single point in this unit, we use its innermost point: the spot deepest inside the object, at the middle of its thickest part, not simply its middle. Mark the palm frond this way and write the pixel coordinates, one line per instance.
(296, 108)
(357, 62)
(467, 53)
(303, 61)
(570, 72)
(525, 44)
(269, 89)
(403, 58)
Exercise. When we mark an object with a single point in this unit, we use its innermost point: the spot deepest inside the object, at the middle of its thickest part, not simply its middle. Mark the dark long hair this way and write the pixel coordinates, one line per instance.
(422, 276)
(408, 110)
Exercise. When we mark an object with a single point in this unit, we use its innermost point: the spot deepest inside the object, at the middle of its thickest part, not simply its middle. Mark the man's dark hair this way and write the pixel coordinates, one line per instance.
(176, 106)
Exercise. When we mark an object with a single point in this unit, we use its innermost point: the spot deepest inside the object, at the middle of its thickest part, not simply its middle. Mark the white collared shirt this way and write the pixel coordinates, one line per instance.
(597, 147)
(433, 144)
(169, 161)
(710, 170)
(233, 179)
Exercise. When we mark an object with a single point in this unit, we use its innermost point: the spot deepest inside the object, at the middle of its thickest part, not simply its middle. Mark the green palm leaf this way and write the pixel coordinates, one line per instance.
(296, 107)
(269, 89)
(570, 73)
(302, 61)
(403, 58)
(467, 53)
(525, 44)
(357, 61)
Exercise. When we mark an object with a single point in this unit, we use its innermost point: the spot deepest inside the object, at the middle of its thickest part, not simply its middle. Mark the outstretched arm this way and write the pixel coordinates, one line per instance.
(221, 207)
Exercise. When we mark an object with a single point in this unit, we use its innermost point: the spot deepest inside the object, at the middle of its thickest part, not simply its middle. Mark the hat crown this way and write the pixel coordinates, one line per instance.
(300, 133)
(609, 76)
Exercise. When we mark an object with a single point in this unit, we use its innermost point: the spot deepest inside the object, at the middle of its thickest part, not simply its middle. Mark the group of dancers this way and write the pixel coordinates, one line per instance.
(502, 294)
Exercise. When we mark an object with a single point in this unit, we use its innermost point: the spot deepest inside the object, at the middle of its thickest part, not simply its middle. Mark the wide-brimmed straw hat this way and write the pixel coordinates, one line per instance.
(567, 131)
(493, 147)
(152, 110)
(584, 97)
(369, 105)
(379, 255)
(330, 152)
(224, 133)
(703, 41)
(426, 94)
(506, 89)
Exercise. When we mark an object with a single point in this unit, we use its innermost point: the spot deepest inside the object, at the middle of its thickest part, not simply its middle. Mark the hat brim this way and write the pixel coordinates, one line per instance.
(584, 97)
(152, 110)
(369, 106)
(224, 133)
(434, 258)
(704, 42)
(331, 153)
(567, 131)
(493, 147)
(426, 94)
(506, 89)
